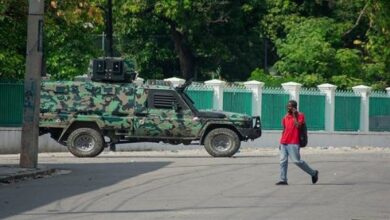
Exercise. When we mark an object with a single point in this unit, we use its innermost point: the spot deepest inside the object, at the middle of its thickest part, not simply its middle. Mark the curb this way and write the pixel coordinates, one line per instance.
(36, 173)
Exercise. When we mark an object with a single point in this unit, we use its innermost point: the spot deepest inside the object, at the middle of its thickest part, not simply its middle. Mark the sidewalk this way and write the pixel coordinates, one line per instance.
(13, 173)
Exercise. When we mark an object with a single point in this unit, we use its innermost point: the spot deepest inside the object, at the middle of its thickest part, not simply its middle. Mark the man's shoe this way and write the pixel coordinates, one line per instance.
(282, 183)
(314, 178)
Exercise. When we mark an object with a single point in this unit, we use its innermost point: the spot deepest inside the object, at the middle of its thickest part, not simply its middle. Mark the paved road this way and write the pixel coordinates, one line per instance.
(192, 185)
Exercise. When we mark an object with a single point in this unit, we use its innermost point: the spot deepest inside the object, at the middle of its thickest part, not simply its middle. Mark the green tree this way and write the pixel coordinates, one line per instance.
(13, 23)
(349, 62)
(308, 48)
(377, 67)
(191, 37)
(269, 80)
(335, 41)
(71, 29)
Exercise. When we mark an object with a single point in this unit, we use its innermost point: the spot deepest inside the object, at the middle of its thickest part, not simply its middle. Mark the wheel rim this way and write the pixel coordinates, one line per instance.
(84, 142)
(221, 142)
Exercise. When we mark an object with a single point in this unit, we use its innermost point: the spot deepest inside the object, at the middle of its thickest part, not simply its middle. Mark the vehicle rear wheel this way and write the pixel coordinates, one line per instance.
(85, 142)
(222, 142)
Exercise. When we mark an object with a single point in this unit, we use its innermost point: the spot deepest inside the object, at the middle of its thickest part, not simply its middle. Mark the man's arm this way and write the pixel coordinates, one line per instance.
(298, 119)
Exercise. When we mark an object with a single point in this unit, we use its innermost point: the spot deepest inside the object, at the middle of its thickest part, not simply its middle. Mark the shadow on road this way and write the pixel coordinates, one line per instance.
(86, 177)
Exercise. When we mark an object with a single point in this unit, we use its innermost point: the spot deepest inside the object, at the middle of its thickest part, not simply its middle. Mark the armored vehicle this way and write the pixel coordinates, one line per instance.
(89, 115)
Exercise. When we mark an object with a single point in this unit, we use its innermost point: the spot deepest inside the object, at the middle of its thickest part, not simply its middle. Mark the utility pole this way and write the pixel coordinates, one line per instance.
(32, 85)
(109, 52)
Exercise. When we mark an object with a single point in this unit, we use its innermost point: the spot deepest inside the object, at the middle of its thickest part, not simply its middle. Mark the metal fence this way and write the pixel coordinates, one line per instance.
(11, 104)
(202, 96)
(312, 104)
(236, 99)
(347, 111)
(379, 112)
(273, 109)
(239, 99)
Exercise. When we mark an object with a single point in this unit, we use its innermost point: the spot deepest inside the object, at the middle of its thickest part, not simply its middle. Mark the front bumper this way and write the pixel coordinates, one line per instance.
(253, 132)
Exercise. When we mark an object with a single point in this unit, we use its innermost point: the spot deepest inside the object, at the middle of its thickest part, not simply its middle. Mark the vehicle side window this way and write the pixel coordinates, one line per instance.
(161, 100)
(165, 101)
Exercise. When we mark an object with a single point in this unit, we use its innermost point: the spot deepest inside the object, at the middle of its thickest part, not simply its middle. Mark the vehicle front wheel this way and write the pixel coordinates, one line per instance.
(85, 142)
(222, 142)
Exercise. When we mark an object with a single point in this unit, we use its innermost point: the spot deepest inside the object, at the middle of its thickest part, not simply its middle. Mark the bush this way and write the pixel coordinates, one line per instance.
(345, 82)
(269, 80)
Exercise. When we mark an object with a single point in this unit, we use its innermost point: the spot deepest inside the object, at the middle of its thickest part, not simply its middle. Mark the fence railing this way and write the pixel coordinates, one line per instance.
(347, 111)
(11, 104)
(312, 104)
(201, 95)
(236, 99)
(274, 101)
(379, 113)
(357, 110)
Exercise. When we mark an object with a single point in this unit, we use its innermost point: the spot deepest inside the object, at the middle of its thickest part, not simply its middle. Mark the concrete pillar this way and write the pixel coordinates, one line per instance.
(364, 92)
(330, 91)
(293, 89)
(218, 92)
(139, 81)
(175, 81)
(257, 90)
(32, 82)
(388, 90)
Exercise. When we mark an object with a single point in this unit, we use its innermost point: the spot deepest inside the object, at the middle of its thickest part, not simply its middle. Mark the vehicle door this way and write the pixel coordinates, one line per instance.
(117, 103)
(165, 114)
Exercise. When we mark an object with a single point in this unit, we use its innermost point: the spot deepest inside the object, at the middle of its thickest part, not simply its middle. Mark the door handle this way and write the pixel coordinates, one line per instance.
(141, 114)
(120, 114)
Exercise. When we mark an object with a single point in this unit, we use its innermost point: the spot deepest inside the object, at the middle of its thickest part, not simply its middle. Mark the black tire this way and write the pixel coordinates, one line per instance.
(222, 142)
(85, 142)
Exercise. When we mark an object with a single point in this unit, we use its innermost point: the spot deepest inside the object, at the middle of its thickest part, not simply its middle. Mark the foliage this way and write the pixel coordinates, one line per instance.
(310, 42)
(307, 48)
(337, 41)
(307, 80)
(71, 30)
(345, 81)
(310, 80)
(12, 38)
(269, 80)
(211, 34)
(349, 62)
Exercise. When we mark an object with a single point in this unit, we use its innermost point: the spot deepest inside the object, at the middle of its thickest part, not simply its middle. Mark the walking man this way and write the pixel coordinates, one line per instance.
(289, 144)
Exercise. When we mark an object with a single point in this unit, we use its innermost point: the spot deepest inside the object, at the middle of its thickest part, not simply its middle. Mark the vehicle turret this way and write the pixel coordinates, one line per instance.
(111, 69)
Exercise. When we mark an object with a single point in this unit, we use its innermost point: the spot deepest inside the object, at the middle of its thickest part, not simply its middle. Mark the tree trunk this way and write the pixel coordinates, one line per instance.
(186, 57)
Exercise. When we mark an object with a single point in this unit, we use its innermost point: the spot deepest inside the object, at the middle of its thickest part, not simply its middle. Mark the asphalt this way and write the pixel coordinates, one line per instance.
(190, 185)
(12, 172)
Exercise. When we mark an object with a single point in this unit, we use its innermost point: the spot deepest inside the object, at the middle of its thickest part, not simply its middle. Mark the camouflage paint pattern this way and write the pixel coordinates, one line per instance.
(236, 119)
(122, 107)
(168, 123)
(163, 122)
(109, 105)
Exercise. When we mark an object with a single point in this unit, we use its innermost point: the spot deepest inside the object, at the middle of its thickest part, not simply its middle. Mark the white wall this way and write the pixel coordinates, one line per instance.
(10, 139)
